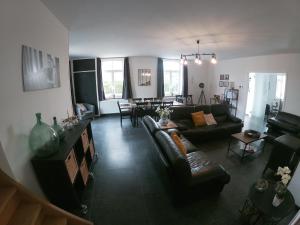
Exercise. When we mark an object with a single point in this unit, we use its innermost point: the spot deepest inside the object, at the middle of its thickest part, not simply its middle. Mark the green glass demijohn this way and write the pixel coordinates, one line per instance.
(43, 139)
(59, 130)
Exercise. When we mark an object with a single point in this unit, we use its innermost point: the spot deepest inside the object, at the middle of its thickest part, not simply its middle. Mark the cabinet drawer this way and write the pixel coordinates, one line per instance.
(71, 165)
(85, 140)
(84, 171)
(92, 149)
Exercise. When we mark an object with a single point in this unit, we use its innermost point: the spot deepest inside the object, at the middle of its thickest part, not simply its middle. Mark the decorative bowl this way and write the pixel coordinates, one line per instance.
(261, 185)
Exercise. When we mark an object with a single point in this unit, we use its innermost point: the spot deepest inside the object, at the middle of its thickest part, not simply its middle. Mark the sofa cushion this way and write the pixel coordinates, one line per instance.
(220, 118)
(182, 112)
(188, 145)
(204, 108)
(184, 124)
(198, 119)
(151, 124)
(203, 170)
(219, 109)
(288, 117)
(209, 119)
(230, 126)
(293, 128)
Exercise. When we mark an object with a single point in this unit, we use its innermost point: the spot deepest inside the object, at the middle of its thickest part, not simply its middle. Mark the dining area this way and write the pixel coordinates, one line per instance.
(136, 108)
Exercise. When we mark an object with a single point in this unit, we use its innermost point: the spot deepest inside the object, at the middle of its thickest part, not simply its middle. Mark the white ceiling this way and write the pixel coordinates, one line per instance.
(166, 28)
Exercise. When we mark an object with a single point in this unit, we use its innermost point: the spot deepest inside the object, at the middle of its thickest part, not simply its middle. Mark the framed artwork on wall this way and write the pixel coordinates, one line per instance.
(144, 77)
(40, 70)
(226, 76)
(221, 83)
(222, 77)
(225, 83)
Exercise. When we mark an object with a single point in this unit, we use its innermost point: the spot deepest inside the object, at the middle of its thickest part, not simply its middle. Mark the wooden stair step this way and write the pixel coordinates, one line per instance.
(25, 214)
(6, 194)
(52, 220)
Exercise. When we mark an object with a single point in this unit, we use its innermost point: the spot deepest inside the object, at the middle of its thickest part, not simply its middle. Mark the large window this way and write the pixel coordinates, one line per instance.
(113, 76)
(172, 77)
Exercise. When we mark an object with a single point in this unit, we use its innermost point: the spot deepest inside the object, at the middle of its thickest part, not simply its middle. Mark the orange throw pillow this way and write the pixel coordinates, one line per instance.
(179, 143)
(199, 119)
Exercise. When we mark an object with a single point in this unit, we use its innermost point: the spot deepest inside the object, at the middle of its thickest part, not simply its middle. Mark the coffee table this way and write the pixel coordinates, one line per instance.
(170, 125)
(246, 140)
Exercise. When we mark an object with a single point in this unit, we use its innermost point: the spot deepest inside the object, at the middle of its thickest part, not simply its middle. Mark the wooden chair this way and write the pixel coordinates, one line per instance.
(148, 99)
(137, 99)
(125, 113)
(139, 111)
(167, 104)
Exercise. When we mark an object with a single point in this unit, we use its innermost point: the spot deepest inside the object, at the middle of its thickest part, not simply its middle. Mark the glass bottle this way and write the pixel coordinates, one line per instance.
(43, 140)
(59, 130)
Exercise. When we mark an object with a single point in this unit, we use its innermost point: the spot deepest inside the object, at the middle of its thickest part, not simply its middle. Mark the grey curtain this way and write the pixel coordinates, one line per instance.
(100, 81)
(185, 89)
(127, 91)
(160, 78)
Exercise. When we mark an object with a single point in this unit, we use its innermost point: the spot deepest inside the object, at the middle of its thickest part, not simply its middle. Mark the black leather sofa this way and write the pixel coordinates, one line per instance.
(227, 124)
(193, 172)
(283, 123)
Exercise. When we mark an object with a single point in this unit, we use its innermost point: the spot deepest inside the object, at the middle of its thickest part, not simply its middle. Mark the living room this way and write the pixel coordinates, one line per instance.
(129, 184)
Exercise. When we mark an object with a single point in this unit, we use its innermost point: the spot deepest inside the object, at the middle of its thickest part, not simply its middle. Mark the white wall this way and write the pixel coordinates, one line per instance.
(239, 69)
(196, 73)
(31, 23)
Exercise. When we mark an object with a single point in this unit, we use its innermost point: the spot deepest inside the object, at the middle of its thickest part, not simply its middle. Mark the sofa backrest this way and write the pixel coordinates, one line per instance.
(176, 159)
(205, 108)
(151, 124)
(182, 112)
(288, 117)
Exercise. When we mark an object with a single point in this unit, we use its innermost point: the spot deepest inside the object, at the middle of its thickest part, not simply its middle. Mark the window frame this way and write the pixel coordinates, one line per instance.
(171, 71)
(112, 76)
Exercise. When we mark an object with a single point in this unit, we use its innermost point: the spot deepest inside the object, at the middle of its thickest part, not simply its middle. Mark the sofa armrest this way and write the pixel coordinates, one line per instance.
(234, 119)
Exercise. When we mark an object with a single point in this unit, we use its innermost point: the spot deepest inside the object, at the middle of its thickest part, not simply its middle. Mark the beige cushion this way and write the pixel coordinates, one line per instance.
(210, 120)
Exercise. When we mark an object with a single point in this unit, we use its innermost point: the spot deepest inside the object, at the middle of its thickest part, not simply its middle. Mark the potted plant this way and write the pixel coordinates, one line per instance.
(281, 186)
(164, 114)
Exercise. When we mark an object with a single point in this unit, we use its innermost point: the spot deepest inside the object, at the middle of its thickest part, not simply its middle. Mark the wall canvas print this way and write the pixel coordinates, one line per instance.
(222, 77)
(39, 70)
(144, 77)
(221, 83)
(226, 76)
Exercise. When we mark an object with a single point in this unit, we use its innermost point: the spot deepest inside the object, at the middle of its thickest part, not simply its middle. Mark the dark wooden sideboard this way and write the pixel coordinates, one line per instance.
(64, 175)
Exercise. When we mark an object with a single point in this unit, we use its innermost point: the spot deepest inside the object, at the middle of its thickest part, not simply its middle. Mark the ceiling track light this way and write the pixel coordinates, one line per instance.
(197, 56)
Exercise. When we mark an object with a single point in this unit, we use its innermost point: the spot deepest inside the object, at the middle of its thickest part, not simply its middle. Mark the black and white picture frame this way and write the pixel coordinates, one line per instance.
(221, 83)
(222, 77)
(144, 77)
(40, 70)
(225, 83)
(226, 76)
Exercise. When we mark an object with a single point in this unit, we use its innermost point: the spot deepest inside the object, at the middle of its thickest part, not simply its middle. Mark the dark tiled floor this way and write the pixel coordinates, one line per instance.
(131, 186)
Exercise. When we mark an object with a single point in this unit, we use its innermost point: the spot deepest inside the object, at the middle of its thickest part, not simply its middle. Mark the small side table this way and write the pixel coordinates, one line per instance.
(170, 125)
(258, 207)
(246, 140)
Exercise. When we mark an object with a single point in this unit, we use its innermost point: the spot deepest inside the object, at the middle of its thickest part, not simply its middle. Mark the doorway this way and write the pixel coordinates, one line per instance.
(266, 96)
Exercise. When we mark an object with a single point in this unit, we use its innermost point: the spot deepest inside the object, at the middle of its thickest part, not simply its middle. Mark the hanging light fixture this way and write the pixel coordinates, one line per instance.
(197, 60)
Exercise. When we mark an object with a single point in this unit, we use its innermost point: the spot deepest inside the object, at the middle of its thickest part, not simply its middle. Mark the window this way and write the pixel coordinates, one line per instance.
(113, 76)
(172, 78)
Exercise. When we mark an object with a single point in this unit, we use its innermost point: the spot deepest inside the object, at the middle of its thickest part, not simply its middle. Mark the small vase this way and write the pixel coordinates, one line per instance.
(163, 120)
(59, 130)
(43, 140)
(280, 190)
(277, 201)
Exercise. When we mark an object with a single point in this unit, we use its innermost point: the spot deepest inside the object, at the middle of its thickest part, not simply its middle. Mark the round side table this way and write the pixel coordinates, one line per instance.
(258, 207)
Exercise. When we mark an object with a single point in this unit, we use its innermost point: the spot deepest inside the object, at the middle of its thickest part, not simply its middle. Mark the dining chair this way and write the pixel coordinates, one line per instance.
(139, 111)
(125, 113)
(137, 99)
(167, 103)
(148, 99)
